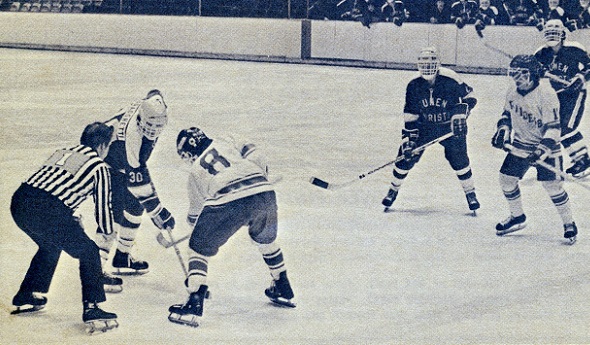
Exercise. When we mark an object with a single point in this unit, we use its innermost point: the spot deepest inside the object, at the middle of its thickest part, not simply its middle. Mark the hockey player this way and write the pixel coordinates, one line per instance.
(437, 102)
(43, 207)
(529, 130)
(569, 61)
(228, 188)
(137, 128)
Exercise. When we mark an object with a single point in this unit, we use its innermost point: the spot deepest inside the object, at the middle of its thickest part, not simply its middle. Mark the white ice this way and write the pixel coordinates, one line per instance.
(427, 273)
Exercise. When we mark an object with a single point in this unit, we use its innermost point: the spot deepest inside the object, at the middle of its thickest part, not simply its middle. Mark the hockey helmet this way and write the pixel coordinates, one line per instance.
(190, 143)
(428, 63)
(554, 32)
(152, 115)
(525, 70)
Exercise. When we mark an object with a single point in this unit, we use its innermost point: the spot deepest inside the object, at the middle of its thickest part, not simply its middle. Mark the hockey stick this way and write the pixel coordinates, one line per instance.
(555, 170)
(334, 186)
(510, 56)
(174, 244)
(168, 243)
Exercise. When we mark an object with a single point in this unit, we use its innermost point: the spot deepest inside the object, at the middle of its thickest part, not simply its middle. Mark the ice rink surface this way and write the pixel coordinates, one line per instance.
(426, 273)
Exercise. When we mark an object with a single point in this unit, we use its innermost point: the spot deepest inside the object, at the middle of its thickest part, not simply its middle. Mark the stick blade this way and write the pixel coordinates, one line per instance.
(319, 182)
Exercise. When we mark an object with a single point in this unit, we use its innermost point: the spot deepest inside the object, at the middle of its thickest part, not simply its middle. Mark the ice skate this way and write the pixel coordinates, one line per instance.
(98, 320)
(112, 284)
(472, 202)
(125, 264)
(389, 199)
(580, 168)
(27, 303)
(280, 291)
(570, 232)
(191, 312)
(511, 224)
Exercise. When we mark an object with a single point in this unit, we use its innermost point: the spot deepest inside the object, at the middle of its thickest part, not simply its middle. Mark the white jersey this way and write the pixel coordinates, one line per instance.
(534, 115)
(225, 172)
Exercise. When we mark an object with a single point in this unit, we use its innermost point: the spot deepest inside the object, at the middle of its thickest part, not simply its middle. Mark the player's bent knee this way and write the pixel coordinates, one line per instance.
(508, 182)
(553, 187)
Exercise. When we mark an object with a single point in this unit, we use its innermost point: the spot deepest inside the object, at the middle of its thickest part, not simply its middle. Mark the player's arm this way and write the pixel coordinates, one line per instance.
(552, 129)
(578, 81)
(196, 198)
(140, 185)
(103, 212)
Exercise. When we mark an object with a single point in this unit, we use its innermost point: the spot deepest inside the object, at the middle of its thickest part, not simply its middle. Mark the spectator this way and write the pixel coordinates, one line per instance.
(440, 13)
(394, 11)
(580, 17)
(554, 11)
(486, 16)
(523, 12)
(463, 12)
(418, 10)
(503, 18)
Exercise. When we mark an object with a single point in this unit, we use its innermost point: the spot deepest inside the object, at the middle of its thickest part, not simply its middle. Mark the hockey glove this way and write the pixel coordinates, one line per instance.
(459, 119)
(502, 135)
(542, 151)
(409, 138)
(163, 220)
(576, 84)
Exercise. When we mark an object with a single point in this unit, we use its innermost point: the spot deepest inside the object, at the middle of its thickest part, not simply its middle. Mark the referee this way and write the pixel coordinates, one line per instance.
(43, 207)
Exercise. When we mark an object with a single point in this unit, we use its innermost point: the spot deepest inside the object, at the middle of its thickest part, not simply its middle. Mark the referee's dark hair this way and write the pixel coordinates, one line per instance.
(96, 134)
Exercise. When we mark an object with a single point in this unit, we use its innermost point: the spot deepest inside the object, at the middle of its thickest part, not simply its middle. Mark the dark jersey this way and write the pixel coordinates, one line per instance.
(433, 105)
(571, 59)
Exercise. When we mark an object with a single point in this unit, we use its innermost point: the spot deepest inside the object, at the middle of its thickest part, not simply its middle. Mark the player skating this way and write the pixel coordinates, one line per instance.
(568, 60)
(228, 188)
(137, 128)
(437, 102)
(529, 129)
(43, 207)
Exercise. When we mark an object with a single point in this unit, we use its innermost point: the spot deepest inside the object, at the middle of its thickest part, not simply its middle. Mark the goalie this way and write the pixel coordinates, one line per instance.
(437, 102)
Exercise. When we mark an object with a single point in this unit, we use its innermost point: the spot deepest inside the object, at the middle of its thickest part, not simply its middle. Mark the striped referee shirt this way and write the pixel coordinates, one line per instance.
(74, 173)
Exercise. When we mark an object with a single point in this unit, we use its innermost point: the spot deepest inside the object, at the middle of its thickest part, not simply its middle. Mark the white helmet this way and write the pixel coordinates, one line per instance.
(152, 115)
(554, 32)
(428, 63)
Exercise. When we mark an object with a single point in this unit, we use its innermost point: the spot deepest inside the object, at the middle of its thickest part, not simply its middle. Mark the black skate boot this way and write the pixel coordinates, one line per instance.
(280, 291)
(570, 232)
(472, 201)
(125, 264)
(27, 303)
(111, 284)
(511, 224)
(580, 168)
(191, 312)
(97, 319)
(389, 199)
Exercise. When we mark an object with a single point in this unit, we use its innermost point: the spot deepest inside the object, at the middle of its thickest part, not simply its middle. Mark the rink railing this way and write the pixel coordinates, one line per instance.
(340, 43)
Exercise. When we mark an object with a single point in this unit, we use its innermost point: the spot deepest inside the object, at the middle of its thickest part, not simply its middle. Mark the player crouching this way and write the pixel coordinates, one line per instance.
(529, 130)
(228, 189)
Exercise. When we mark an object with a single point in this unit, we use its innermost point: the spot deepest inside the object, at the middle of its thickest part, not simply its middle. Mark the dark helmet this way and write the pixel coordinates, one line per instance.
(525, 69)
(191, 142)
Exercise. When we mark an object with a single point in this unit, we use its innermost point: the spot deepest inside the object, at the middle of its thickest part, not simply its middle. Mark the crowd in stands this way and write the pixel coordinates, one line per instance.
(575, 14)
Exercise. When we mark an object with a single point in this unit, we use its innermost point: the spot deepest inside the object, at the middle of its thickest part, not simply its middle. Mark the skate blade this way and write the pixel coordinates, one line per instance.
(100, 326)
(582, 175)
(124, 271)
(113, 288)
(511, 230)
(283, 302)
(571, 240)
(187, 320)
(27, 309)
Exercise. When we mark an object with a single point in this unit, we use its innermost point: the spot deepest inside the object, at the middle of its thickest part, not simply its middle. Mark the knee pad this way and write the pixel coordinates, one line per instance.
(508, 183)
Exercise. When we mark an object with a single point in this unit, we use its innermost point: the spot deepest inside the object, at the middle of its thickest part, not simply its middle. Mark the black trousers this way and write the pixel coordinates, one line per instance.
(51, 224)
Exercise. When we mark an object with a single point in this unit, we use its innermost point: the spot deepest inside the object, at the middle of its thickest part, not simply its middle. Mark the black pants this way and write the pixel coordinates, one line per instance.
(51, 224)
